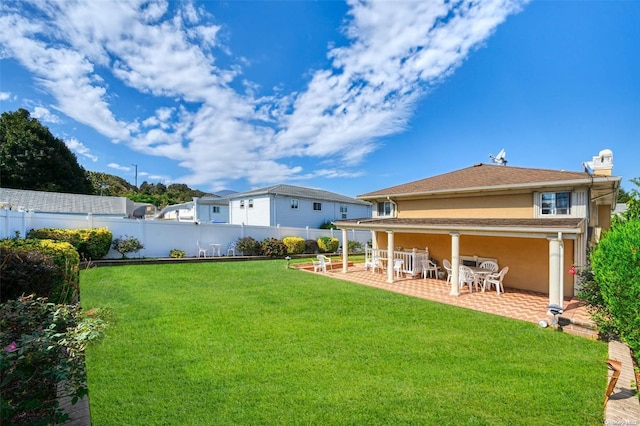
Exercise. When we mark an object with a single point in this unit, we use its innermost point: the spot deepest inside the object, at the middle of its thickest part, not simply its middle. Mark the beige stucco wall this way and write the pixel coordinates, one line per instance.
(604, 216)
(527, 258)
(486, 206)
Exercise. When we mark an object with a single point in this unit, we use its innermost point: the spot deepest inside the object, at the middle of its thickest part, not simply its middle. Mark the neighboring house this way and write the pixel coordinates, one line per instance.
(293, 206)
(202, 209)
(538, 222)
(61, 202)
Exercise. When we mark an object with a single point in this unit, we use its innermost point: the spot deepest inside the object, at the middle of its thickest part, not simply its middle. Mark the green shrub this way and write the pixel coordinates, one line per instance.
(42, 346)
(355, 247)
(327, 225)
(616, 270)
(177, 254)
(311, 247)
(126, 244)
(63, 281)
(91, 243)
(27, 272)
(328, 244)
(273, 247)
(295, 245)
(248, 246)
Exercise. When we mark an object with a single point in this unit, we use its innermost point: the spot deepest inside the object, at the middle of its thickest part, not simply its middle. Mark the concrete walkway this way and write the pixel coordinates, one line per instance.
(623, 407)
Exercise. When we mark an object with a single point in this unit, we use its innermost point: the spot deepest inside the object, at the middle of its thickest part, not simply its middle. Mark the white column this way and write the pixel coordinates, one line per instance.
(374, 241)
(390, 257)
(561, 268)
(554, 272)
(455, 264)
(345, 250)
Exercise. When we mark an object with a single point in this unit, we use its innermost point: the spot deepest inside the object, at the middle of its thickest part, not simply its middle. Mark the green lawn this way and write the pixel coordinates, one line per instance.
(254, 343)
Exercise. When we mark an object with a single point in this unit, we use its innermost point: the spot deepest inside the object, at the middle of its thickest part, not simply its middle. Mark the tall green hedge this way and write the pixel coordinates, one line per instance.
(295, 245)
(46, 268)
(328, 244)
(616, 269)
(91, 243)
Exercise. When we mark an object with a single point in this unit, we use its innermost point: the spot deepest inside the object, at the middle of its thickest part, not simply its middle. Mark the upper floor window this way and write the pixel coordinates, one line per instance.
(317, 206)
(556, 203)
(385, 208)
(215, 209)
(250, 203)
(242, 204)
(294, 204)
(343, 211)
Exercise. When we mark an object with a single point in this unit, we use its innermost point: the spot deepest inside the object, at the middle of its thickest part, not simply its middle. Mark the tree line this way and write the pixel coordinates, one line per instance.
(32, 158)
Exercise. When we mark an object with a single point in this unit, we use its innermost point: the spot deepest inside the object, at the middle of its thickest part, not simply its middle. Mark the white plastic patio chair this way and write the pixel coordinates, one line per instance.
(490, 265)
(324, 262)
(231, 248)
(447, 267)
(398, 267)
(467, 277)
(429, 268)
(201, 251)
(496, 280)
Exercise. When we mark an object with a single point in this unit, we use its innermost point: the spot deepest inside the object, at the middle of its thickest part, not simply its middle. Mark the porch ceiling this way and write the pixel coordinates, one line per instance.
(535, 228)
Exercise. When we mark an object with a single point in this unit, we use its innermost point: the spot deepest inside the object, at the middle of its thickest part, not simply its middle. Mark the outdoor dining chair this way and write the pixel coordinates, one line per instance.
(429, 268)
(467, 277)
(201, 251)
(324, 262)
(398, 266)
(496, 280)
(231, 248)
(447, 267)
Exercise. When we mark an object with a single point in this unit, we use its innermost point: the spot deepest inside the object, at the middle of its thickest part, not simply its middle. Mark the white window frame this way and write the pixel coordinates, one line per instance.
(295, 203)
(250, 203)
(387, 208)
(242, 204)
(215, 209)
(552, 201)
(317, 204)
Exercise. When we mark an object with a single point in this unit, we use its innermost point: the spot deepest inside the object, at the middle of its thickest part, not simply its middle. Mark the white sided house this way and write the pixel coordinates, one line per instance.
(210, 209)
(293, 206)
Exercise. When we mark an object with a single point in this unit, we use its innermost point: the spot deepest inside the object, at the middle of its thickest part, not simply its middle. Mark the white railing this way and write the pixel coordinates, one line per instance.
(411, 260)
(158, 236)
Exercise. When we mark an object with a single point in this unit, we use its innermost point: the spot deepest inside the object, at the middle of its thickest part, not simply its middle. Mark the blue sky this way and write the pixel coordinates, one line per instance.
(348, 97)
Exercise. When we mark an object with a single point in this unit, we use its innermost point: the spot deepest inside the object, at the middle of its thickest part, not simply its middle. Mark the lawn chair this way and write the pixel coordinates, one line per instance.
(324, 262)
(201, 251)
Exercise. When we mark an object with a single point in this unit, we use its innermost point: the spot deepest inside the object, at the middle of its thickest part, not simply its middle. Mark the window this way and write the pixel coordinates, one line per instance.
(242, 204)
(556, 203)
(215, 209)
(317, 206)
(294, 204)
(343, 211)
(384, 208)
(251, 203)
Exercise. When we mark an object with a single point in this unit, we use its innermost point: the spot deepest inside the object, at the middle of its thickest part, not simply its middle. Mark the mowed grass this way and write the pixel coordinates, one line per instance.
(255, 343)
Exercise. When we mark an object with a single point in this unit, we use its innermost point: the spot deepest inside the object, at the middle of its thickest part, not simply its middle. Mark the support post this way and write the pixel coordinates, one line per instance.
(390, 257)
(345, 250)
(554, 272)
(455, 264)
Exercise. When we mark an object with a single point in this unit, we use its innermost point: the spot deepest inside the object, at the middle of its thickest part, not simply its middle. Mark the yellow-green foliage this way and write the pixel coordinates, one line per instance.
(295, 245)
(64, 256)
(328, 244)
(91, 243)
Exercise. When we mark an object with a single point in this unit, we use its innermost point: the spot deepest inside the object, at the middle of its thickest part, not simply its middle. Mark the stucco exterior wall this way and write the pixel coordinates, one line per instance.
(527, 258)
(487, 206)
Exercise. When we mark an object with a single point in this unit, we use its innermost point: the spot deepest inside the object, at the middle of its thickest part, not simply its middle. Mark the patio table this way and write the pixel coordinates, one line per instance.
(215, 249)
(480, 274)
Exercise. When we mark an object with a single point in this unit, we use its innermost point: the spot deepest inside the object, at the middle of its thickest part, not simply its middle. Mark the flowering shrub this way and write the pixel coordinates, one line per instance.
(126, 244)
(52, 273)
(177, 254)
(248, 246)
(295, 245)
(273, 247)
(42, 345)
(328, 244)
(91, 243)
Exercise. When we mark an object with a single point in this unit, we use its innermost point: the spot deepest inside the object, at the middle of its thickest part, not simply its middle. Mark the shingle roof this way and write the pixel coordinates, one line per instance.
(480, 176)
(59, 202)
(301, 192)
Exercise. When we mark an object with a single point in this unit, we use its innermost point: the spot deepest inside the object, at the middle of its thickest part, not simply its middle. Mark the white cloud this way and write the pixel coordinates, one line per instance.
(78, 147)
(397, 50)
(117, 166)
(43, 114)
(4, 96)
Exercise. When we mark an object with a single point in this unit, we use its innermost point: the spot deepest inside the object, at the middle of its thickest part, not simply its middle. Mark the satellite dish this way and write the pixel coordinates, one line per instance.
(500, 158)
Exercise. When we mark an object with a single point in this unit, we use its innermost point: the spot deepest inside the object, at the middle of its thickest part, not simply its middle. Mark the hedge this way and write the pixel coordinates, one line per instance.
(91, 243)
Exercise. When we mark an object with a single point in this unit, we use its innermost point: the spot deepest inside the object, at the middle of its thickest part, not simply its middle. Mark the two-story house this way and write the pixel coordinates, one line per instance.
(293, 206)
(538, 222)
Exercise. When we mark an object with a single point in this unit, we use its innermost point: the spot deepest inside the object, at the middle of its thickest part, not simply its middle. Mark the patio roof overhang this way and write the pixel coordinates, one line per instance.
(522, 228)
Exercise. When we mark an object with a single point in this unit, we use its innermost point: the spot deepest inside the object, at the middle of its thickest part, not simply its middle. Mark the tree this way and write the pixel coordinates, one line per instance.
(32, 158)
(633, 205)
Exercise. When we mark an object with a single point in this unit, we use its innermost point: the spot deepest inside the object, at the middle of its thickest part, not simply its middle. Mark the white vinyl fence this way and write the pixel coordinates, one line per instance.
(159, 237)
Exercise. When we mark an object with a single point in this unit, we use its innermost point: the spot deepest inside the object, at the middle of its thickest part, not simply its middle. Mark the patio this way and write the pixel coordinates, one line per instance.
(518, 304)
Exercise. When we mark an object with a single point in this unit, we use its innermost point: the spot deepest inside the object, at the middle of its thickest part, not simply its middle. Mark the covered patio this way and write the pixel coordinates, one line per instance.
(514, 303)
